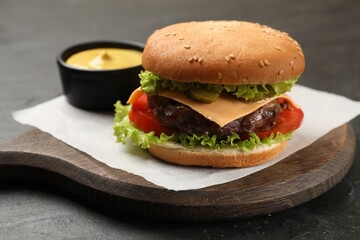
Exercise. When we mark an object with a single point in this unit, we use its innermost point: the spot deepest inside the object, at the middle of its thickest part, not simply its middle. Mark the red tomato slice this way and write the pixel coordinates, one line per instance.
(287, 121)
(141, 103)
(144, 119)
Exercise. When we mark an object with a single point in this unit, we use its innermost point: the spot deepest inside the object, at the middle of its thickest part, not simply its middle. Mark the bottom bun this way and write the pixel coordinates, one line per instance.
(223, 158)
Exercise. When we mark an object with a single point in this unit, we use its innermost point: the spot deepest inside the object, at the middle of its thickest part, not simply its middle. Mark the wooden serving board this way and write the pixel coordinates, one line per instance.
(39, 157)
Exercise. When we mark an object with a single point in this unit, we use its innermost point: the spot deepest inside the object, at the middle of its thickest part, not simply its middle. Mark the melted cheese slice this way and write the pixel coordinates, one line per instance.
(225, 109)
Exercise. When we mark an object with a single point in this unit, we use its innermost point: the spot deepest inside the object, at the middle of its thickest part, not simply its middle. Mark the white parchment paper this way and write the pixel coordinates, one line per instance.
(92, 132)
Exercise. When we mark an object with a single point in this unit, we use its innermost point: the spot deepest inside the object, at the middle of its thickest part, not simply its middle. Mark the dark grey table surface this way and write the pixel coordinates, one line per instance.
(33, 32)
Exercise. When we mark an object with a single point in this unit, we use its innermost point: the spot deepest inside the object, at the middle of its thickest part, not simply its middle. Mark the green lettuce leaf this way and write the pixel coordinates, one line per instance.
(151, 83)
(124, 129)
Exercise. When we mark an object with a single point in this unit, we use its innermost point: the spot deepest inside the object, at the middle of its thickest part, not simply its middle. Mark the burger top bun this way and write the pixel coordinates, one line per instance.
(223, 52)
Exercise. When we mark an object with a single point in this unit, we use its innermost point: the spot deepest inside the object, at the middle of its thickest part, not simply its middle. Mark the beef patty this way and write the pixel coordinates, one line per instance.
(183, 119)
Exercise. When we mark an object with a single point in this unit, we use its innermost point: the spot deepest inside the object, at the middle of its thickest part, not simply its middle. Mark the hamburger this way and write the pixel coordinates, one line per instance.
(213, 94)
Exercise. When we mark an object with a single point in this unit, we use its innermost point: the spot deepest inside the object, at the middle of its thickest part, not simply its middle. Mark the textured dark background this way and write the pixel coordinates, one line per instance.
(33, 32)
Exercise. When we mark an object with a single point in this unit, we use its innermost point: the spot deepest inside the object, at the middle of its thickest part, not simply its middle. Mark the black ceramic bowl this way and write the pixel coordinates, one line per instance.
(98, 89)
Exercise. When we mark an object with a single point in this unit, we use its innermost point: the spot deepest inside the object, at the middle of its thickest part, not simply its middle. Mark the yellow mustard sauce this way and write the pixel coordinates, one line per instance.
(105, 59)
